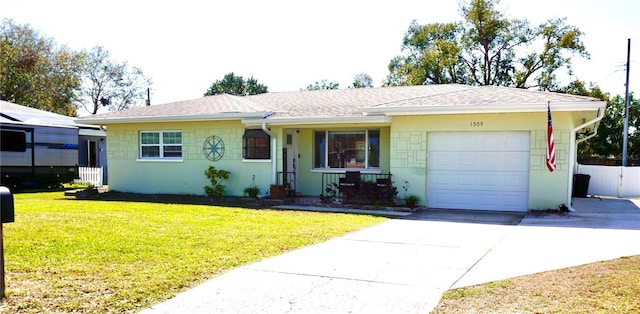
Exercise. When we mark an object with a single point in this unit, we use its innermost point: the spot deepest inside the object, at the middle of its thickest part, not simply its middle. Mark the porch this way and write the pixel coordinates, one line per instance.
(350, 187)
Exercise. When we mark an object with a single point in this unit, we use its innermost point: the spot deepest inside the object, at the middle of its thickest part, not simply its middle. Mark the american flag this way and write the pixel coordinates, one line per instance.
(551, 149)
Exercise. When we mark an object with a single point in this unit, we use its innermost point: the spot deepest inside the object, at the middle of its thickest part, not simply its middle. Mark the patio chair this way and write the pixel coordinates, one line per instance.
(383, 186)
(349, 184)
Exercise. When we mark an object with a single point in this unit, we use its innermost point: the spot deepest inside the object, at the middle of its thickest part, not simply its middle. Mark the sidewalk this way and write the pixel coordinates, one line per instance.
(404, 265)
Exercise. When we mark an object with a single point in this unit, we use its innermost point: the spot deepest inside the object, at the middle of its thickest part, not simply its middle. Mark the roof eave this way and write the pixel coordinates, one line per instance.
(92, 132)
(364, 119)
(472, 109)
(180, 118)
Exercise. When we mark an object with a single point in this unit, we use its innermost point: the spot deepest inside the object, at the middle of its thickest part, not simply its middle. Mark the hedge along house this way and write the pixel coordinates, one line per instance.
(457, 146)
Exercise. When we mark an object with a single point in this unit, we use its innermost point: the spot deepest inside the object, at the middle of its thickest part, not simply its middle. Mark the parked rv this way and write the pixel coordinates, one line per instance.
(43, 148)
(33, 154)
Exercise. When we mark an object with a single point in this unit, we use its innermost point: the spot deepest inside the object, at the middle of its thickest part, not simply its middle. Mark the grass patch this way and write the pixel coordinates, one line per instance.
(604, 287)
(67, 255)
(474, 291)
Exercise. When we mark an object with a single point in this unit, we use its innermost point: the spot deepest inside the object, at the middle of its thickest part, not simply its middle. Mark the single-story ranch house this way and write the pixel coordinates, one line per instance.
(453, 146)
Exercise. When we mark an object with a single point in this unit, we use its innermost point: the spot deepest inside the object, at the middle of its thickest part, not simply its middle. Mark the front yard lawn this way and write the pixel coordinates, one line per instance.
(68, 255)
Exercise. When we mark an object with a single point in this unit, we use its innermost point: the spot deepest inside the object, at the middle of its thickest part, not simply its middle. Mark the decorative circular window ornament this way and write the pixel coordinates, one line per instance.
(213, 148)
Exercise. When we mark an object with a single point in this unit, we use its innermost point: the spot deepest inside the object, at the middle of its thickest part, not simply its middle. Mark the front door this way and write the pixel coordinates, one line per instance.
(291, 143)
(92, 153)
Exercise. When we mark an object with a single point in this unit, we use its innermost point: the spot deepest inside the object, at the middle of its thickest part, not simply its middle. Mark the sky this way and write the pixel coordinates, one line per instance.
(184, 46)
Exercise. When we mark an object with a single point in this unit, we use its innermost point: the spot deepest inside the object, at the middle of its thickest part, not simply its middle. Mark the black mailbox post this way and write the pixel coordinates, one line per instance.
(6, 215)
(6, 205)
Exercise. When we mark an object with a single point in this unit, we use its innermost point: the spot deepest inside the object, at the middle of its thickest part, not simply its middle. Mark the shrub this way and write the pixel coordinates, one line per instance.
(252, 191)
(215, 176)
(412, 201)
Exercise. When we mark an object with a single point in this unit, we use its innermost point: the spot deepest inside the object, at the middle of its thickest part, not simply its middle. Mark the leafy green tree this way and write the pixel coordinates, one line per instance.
(485, 48)
(608, 140)
(431, 56)
(35, 72)
(580, 88)
(110, 84)
(236, 85)
(323, 85)
(362, 80)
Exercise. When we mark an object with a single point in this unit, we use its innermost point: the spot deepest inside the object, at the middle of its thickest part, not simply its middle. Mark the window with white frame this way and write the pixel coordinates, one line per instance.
(347, 149)
(160, 144)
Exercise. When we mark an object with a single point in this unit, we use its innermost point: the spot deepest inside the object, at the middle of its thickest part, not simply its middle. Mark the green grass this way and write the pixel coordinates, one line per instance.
(67, 255)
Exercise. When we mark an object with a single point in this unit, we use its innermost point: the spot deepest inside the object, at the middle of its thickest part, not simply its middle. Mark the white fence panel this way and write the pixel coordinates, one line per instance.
(630, 181)
(90, 175)
(604, 181)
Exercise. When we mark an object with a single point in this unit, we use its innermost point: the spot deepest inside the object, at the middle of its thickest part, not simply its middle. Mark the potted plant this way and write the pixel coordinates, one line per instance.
(332, 191)
(411, 201)
(277, 191)
(252, 191)
(289, 190)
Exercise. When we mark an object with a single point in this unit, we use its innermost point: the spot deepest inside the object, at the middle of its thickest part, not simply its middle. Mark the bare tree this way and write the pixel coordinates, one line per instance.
(111, 84)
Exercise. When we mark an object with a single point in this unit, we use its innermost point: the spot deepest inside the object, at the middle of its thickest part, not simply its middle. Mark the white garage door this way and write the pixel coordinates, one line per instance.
(485, 170)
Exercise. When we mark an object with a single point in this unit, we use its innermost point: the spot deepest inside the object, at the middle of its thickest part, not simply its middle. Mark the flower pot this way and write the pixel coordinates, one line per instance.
(278, 192)
(252, 192)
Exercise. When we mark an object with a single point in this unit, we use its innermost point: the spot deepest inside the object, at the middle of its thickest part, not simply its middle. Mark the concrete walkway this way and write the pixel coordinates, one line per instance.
(404, 265)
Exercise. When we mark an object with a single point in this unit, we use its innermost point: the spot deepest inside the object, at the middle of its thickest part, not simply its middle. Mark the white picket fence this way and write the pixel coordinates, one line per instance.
(91, 175)
(612, 181)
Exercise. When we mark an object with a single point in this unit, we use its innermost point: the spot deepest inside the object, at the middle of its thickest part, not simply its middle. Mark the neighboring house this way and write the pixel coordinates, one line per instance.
(40, 145)
(458, 146)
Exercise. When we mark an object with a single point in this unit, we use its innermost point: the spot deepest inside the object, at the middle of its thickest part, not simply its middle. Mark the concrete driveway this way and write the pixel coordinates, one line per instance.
(404, 265)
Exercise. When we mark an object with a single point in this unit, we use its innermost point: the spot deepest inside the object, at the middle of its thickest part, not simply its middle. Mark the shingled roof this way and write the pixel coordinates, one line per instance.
(10, 112)
(343, 104)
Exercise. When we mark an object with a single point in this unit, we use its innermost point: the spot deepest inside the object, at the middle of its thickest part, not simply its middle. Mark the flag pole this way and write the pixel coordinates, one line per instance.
(625, 134)
(550, 159)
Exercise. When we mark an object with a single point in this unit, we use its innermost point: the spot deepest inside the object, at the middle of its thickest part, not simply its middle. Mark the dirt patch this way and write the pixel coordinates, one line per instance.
(231, 201)
(93, 194)
(548, 213)
(605, 287)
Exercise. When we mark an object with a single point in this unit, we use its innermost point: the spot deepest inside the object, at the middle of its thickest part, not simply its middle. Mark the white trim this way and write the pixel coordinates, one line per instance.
(573, 152)
(91, 132)
(160, 144)
(185, 118)
(159, 160)
(274, 153)
(257, 160)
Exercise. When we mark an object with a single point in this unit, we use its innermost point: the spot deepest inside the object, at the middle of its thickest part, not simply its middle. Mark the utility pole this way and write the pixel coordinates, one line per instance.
(625, 135)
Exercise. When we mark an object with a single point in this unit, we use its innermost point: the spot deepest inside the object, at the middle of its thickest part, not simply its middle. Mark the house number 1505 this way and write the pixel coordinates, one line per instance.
(476, 124)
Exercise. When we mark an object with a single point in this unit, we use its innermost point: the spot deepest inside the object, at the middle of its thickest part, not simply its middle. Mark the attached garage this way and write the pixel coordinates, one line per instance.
(478, 170)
